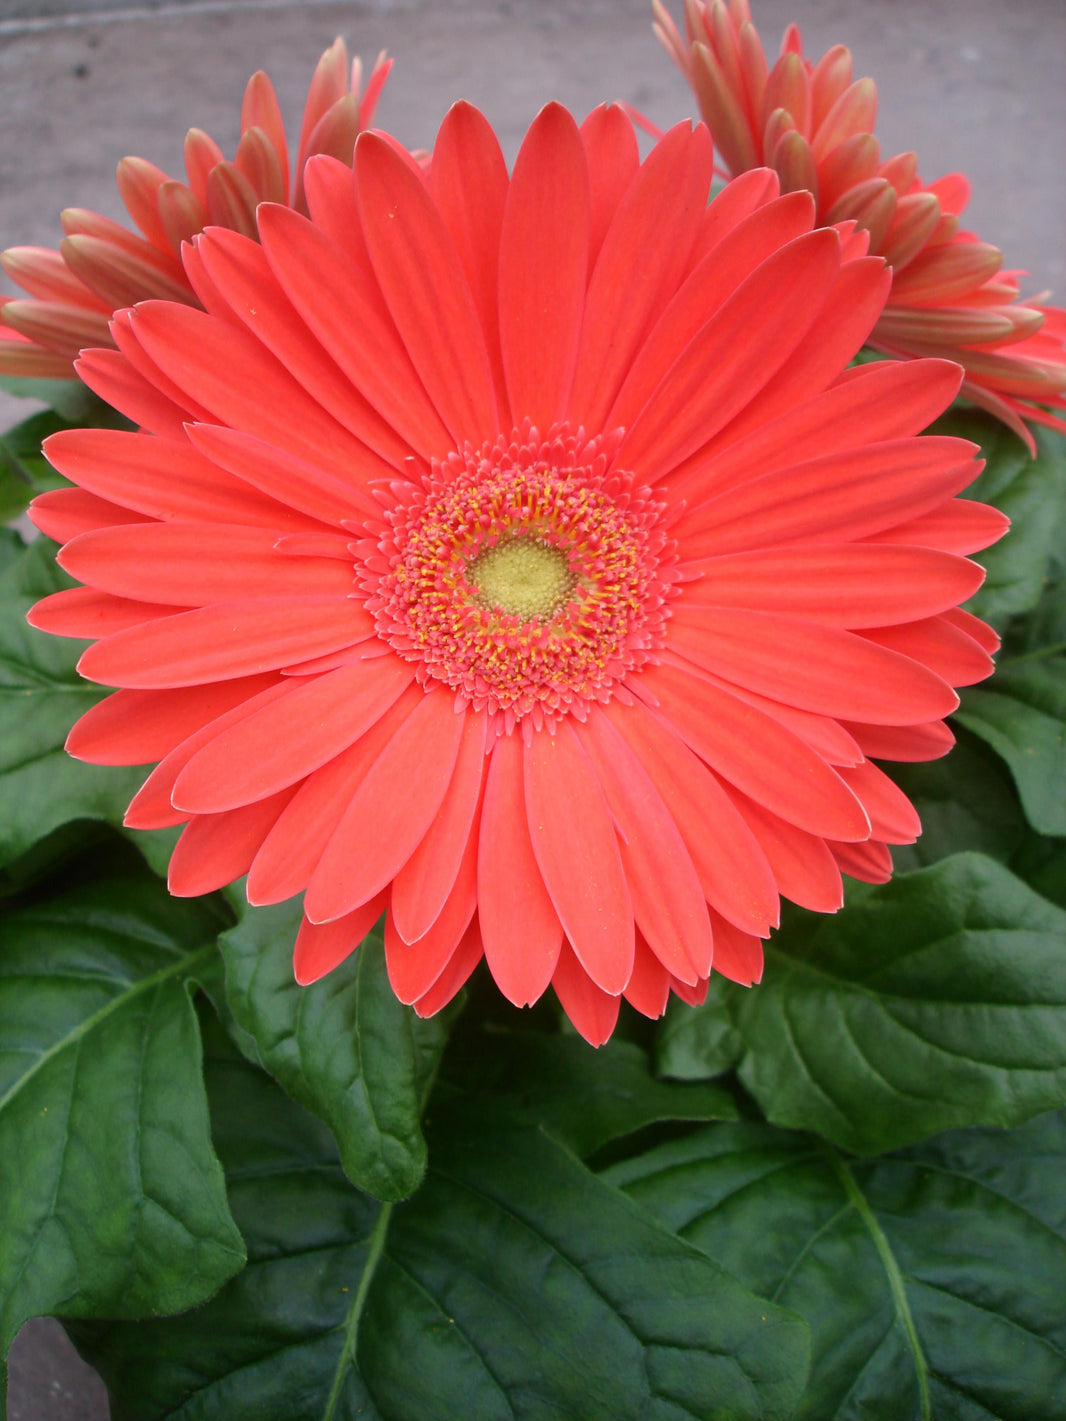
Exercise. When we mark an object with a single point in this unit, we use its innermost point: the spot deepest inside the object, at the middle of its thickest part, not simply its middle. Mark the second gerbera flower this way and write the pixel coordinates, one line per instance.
(518, 557)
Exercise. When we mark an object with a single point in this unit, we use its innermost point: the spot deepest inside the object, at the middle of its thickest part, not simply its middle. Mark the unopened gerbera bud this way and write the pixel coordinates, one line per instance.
(102, 266)
(812, 124)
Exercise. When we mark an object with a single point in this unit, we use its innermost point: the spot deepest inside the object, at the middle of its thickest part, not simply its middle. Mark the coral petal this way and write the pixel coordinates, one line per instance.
(322, 946)
(389, 813)
(519, 924)
(543, 267)
(592, 1010)
(576, 849)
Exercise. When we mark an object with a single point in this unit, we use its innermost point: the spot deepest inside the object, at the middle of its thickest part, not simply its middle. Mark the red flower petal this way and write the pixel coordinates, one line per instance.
(732, 868)
(418, 270)
(230, 639)
(543, 267)
(292, 850)
(389, 813)
(814, 667)
(214, 849)
(576, 849)
(423, 884)
(668, 902)
(322, 946)
(645, 250)
(592, 1010)
(291, 737)
(747, 748)
(519, 924)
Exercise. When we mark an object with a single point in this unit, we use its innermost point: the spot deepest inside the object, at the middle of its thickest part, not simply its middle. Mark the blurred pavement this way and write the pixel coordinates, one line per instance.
(970, 84)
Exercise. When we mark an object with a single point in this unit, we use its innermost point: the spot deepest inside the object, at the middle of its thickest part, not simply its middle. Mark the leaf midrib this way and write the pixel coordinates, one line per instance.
(896, 1285)
(121, 999)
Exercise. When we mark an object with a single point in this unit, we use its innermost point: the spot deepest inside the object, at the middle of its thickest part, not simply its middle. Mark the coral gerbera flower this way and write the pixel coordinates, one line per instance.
(812, 124)
(516, 556)
(102, 266)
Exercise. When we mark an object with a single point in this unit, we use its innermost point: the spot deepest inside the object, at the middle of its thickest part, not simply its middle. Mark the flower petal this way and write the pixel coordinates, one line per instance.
(750, 750)
(644, 253)
(322, 946)
(137, 727)
(593, 1011)
(414, 966)
(463, 961)
(216, 849)
(848, 585)
(543, 267)
(229, 639)
(423, 884)
(290, 738)
(426, 290)
(519, 925)
(390, 811)
(809, 665)
(576, 849)
(468, 180)
(292, 850)
(732, 867)
(340, 300)
(190, 565)
(668, 902)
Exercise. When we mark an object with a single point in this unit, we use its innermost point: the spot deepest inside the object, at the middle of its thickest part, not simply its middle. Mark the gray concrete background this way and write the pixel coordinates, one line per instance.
(970, 84)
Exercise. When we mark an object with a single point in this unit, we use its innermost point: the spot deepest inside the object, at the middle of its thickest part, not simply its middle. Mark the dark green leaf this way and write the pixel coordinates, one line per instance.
(111, 1198)
(584, 1098)
(932, 1279)
(514, 1284)
(1031, 492)
(41, 696)
(24, 471)
(1041, 863)
(154, 845)
(1023, 717)
(344, 1047)
(698, 1043)
(966, 801)
(935, 1001)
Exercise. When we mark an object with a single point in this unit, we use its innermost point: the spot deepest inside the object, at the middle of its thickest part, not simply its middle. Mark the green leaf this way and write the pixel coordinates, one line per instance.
(935, 1001)
(583, 1098)
(932, 1279)
(966, 802)
(11, 548)
(514, 1284)
(1023, 718)
(74, 402)
(1031, 492)
(695, 1043)
(345, 1047)
(41, 696)
(24, 471)
(111, 1199)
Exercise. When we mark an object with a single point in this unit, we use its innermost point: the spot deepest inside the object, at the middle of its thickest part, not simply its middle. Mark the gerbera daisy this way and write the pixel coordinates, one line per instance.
(101, 266)
(517, 557)
(813, 125)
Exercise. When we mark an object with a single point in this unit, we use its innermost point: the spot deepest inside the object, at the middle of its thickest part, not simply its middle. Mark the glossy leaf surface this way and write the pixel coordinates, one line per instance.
(935, 1001)
(931, 1278)
(41, 696)
(515, 1283)
(111, 1199)
(344, 1047)
(1022, 715)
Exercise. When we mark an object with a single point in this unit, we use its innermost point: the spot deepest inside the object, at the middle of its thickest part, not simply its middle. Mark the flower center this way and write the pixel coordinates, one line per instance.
(524, 575)
(528, 575)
